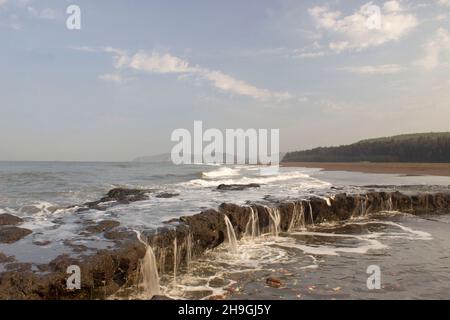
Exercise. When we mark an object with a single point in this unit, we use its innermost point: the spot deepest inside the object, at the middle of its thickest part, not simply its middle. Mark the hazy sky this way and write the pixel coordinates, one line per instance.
(137, 70)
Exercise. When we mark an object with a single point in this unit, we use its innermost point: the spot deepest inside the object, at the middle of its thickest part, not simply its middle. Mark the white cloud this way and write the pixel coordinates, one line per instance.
(113, 77)
(229, 84)
(160, 63)
(46, 13)
(375, 70)
(157, 63)
(3, 2)
(437, 50)
(352, 32)
(444, 2)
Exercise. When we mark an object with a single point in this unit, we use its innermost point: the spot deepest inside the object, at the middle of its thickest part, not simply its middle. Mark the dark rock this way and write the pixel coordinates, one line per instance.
(118, 235)
(42, 243)
(166, 195)
(13, 234)
(76, 247)
(5, 259)
(115, 197)
(237, 187)
(9, 219)
(19, 266)
(103, 226)
(161, 298)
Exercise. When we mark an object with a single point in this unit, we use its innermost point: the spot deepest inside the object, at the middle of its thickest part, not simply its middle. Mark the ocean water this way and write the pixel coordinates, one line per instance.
(318, 262)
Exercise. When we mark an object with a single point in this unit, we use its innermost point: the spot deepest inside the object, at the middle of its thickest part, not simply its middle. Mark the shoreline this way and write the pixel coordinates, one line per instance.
(408, 169)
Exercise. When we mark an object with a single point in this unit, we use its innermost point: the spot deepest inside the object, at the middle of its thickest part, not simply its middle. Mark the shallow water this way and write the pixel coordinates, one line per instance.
(329, 262)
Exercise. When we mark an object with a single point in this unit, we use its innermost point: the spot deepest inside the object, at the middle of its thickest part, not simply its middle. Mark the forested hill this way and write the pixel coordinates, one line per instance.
(420, 147)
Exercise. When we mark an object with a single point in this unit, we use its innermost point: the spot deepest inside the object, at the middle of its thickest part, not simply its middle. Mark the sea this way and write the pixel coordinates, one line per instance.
(324, 261)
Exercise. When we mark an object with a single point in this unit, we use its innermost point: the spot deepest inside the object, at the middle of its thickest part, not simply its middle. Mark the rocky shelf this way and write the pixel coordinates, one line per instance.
(107, 271)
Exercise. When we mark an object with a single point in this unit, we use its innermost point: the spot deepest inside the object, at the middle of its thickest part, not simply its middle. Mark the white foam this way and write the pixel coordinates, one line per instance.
(306, 181)
(221, 172)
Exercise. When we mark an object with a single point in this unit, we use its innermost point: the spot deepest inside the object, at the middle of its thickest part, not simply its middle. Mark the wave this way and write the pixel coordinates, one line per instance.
(306, 180)
(221, 172)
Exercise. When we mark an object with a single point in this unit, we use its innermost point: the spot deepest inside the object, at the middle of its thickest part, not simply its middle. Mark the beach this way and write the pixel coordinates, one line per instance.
(409, 169)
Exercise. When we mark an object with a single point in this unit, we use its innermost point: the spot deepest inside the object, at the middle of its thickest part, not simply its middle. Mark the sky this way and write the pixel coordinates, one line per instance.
(322, 72)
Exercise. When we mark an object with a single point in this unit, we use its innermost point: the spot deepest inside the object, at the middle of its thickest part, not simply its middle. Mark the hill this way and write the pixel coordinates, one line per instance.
(419, 147)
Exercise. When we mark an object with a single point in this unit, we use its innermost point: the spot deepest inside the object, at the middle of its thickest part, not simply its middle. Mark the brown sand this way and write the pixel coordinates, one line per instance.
(413, 169)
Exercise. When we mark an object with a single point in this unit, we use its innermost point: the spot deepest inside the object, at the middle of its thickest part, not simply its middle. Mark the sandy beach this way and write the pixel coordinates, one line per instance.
(413, 169)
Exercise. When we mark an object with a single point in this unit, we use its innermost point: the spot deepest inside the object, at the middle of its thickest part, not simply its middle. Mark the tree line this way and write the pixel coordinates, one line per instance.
(422, 147)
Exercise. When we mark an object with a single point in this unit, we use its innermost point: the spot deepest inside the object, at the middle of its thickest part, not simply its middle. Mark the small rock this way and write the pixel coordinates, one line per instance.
(7, 219)
(166, 195)
(217, 297)
(4, 258)
(237, 187)
(159, 297)
(13, 234)
(274, 282)
(103, 226)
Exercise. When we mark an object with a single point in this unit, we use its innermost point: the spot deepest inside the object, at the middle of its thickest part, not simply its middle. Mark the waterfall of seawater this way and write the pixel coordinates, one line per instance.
(390, 204)
(175, 259)
(188, 252)
(311, 213)
(149, 274)
(252, 227)
(148, 270)
(298, 217)
(274, 214)
(231, 235)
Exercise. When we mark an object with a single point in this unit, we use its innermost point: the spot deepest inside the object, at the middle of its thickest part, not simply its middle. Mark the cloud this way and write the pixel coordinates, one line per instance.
(437, 51)
(375, 70)
(3, 2)
(46, 13)
(113, 77)
(160, 63)
(443, 2)
(157, 63)
(355, 32)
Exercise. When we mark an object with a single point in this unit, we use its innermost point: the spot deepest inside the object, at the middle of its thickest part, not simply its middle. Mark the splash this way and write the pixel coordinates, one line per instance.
(231, 235)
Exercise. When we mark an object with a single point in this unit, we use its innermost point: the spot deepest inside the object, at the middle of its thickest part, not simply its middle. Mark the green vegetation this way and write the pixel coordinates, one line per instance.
(420, 147)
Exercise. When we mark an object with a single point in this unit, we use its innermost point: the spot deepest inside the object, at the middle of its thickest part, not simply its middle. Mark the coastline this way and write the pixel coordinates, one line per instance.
(409, 169)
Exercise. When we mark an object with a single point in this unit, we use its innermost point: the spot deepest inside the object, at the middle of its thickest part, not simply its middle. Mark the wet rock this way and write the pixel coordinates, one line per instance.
(217, 297)
(126, 195)
(115, 197)
(274, 282)
(13, 234)
(166, 195)
(103, 226)
(19, 267)
(5, 259)
(237, 187)
(159, 297)
(118, 235)
(42, 243)
(7, 219)
(76, 247)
